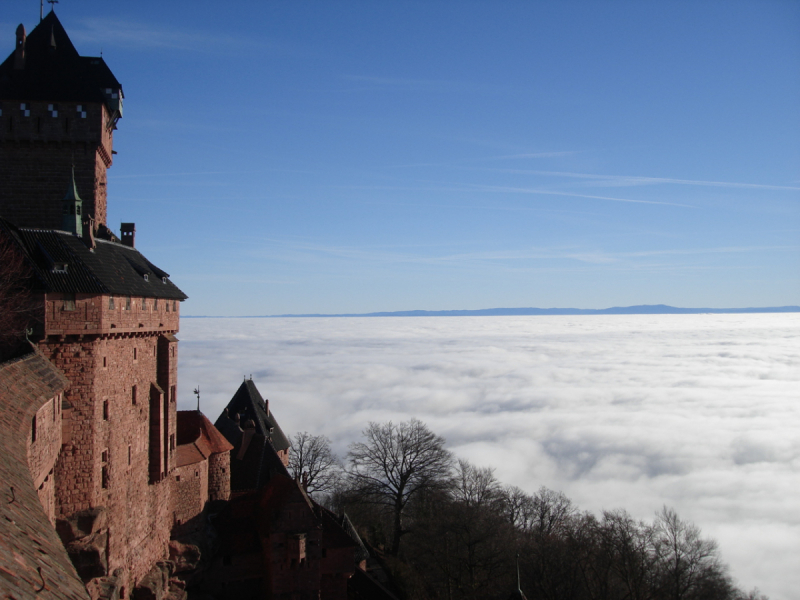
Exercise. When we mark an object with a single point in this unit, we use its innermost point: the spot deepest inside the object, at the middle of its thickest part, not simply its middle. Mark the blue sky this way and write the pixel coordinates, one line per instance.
(293, 157)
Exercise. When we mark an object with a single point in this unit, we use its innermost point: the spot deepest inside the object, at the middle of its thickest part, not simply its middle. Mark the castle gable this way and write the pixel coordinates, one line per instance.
(53, 71)
(248, 404)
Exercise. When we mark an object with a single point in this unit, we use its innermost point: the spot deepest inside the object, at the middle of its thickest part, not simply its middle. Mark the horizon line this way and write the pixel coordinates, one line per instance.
(640, 309)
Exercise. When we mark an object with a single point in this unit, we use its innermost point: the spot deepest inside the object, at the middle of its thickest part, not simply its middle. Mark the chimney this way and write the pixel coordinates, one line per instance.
(128, 234)
(19, 53)
(88, 233)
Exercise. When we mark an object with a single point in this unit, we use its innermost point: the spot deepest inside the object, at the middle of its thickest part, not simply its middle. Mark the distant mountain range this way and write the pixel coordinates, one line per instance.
(642, 309)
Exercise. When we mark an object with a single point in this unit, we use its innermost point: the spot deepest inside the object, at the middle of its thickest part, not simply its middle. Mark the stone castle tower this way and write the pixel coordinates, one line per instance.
(104, 316)
(58, 111)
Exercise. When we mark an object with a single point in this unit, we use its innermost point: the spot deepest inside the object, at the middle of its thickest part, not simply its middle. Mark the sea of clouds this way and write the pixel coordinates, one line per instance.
(696, 412)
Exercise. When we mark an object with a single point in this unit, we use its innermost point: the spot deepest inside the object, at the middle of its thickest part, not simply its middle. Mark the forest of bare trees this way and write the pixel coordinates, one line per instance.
(447, 529)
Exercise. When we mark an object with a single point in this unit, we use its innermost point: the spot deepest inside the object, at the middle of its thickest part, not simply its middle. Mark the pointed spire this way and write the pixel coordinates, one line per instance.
(72, 208)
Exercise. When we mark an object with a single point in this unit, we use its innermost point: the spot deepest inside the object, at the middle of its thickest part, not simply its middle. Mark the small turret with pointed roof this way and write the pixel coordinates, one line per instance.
(72, 208)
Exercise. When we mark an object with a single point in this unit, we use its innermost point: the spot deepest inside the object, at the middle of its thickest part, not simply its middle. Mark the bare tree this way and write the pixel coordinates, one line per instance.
(16, 308)
(689, 565)
(475, 486)
(313, 462)
(394, 464)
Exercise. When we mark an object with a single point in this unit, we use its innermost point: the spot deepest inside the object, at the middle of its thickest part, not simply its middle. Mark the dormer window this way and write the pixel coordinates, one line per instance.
(163, 280)
(146, 277)
(59, 267)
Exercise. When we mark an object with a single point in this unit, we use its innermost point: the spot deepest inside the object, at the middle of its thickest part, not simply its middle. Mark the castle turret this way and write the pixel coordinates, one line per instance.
(71, 209)
(58, 110)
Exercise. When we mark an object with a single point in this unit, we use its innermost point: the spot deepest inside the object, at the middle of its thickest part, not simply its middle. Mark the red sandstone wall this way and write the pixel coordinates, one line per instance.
(219, 476)
(106, 460)
(37, 153)
(294, 569)
(92, 314)
(189, 491)
(42, 453)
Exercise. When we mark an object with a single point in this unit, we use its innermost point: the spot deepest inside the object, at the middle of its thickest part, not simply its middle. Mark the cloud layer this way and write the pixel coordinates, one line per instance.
(698, 412)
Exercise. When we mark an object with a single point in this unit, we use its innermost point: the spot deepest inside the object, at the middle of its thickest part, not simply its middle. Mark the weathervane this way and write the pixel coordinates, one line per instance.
(196, 392)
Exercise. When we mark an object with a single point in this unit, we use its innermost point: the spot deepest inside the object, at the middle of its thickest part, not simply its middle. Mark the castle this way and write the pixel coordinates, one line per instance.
(106, 484)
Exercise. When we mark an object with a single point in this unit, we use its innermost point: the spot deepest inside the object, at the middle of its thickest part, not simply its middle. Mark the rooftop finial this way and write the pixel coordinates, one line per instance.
(52, 4)
(197, 393)
(19, 52)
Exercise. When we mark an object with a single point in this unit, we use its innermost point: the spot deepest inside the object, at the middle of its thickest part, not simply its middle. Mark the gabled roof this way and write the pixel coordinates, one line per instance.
(110, 268)
(54, 71)
(254, 462)
(248, 403)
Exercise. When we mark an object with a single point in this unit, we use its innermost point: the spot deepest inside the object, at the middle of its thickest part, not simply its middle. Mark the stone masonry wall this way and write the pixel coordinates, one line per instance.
(190, 491)
(43, 451)
(37, 153)
(219, 476)
(106, 460)
(93, 314)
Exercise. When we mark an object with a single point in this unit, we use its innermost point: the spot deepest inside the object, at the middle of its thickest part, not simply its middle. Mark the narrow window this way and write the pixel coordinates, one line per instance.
(104, 456)
(105, 410)
(144, 305)
(134, 354)
(69, 301)
(128, 303)
(104, 476)
(55, 410)
(129, 455)
(133, 395)
(155, 303)
(105, 362)
(172, 393)
(174, 306)
(33, 429)
(111, 303)
(167, 303)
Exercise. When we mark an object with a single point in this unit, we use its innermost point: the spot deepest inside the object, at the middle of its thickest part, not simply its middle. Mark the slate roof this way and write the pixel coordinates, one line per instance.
(363, 586)
(55, 74)
(110, 268)
(248, 403)
(257, 464)
(361, 551)
(254, 459)
(28, 541)
(197, 438)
